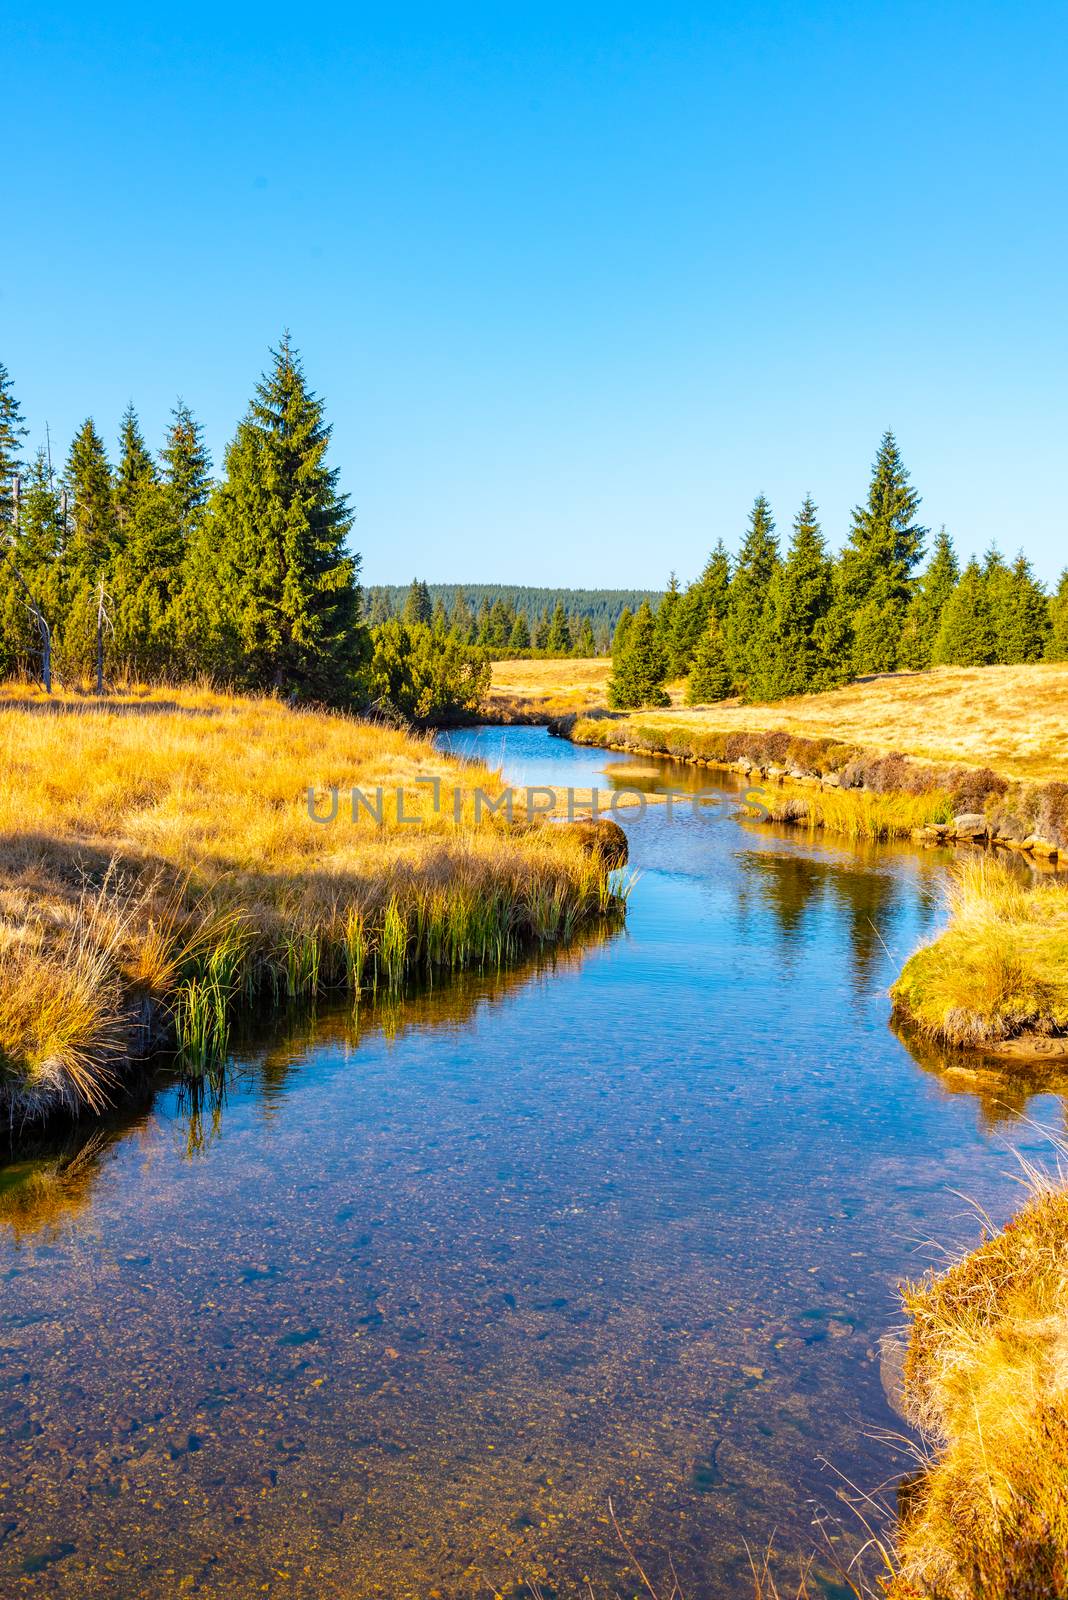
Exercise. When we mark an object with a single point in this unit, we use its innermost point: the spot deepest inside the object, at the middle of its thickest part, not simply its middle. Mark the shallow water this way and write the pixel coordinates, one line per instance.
(432, 1287)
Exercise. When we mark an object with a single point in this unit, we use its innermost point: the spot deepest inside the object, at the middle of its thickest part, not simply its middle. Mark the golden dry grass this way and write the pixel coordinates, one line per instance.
(1001, 967)
(1014, 719)
(162, 838)
(531, 691)
(986, 1380)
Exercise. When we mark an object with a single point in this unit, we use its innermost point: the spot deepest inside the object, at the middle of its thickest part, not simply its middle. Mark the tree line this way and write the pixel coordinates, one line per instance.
(151, 568)
(501, 628)
(769, 623)
(505, 619)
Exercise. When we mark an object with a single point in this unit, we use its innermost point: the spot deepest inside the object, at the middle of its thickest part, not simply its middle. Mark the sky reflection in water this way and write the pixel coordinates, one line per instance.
(405, 1311)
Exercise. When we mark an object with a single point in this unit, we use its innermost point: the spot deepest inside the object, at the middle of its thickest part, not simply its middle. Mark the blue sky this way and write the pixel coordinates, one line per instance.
(576, 281)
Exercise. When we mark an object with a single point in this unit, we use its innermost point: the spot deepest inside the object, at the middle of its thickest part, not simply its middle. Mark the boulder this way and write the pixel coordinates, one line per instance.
(1041, 847)
(831, 780)
(971, 825)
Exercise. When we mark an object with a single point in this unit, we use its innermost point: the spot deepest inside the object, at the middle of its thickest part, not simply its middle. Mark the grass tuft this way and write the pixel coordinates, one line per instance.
(986, 1379)
(1000, 969)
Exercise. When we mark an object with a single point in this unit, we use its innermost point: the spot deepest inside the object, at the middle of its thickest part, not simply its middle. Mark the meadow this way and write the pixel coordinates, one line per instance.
(1014, 719)
(160, 867)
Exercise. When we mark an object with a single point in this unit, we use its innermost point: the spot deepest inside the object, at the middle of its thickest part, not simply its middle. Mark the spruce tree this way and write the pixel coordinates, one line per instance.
(586, 645)
(136, 469)
(966, 637)
(638, 675)
(1020, 612)
(144, 582)
(30, 566)
(706, 595)
(710, 674)
(462, 620)
(92, 529)
(501, 622)
(39, 540)
(289, 589)
(187, 469)
(558, 642)
(797, 658)
(621, 633)
(929, 597)
(519, 639)
(1057, 643)
(666, 614)
(747, 598)
(418, 607)
(12, 433)
(875, 572)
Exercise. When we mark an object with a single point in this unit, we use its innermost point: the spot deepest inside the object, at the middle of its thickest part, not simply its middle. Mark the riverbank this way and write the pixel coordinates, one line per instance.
(997, 978)
(161, 867)
(826, 783)
(985, 1382)
(1012, 719)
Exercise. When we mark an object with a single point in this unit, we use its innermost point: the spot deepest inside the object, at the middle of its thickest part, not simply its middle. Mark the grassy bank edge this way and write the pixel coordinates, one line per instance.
(823, 783)
(996, 977)
(984, 1381)
(160, 871)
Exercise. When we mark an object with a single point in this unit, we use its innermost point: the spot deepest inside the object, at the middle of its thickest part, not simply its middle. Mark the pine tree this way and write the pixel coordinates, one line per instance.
(136, 470)
(519, 638)
(929, 597)
(1057, 643)
(541, 632)
(797, 658)
(586, 645)
(710, 674)
(187, 469)
(12, 433)
(418, 607)
(92, 531)
(875, 571)
(380, 609)
(1020, 612)
(638, 675)
(748, 594)
(290, 598)
(966, 637)
(558, 642)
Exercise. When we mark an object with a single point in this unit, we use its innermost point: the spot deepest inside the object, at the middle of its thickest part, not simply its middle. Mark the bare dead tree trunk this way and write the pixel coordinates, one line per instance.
(102, 621)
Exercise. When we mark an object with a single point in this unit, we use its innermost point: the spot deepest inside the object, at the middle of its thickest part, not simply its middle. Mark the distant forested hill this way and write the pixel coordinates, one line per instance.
(601, 606)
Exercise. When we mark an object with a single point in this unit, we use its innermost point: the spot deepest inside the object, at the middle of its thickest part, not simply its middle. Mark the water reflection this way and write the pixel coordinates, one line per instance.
(1003, 1090)
(426, 1286)
(50, 1174)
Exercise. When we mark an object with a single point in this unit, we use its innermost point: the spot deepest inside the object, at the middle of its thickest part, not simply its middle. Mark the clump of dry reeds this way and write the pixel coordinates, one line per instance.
(1000, 969)
(986, 1379)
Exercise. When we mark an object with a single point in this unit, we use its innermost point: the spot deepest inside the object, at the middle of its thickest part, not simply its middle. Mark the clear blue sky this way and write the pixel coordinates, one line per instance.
(577, 281)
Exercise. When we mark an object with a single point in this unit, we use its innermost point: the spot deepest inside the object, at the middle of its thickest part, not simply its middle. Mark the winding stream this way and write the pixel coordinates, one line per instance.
(430, 1287)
